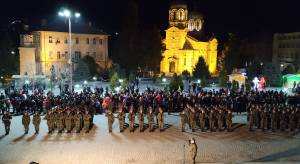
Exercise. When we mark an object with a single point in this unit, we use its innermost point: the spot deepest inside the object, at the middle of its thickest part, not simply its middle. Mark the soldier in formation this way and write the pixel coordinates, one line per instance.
(6, 119)
(26, 121)
(274, 117)
(36, 120)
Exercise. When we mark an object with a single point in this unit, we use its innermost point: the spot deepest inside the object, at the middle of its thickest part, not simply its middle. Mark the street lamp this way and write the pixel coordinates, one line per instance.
(121, 80)
(68, 14)
(164, 80)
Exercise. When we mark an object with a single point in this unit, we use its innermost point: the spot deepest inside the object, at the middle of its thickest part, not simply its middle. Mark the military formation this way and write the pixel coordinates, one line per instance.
(274, 117)
(210, 118)
(204, 110)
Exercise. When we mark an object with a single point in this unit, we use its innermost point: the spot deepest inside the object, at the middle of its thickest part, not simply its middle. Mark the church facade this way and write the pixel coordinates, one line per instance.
(184, 43)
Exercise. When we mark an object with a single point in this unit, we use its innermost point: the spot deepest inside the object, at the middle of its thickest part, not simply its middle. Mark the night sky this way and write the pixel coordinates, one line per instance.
(245, 16)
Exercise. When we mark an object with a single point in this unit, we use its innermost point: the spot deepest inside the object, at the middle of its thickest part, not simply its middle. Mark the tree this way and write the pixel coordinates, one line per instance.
(176, 83)
(201, 69)
(223, 78)
(185, 74)
(9, 62)
(272, 72)
(93, 66)
(290, 69)
(114, 80)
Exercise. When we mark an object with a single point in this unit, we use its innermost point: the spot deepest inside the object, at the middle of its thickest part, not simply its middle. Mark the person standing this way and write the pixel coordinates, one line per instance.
(151, 119)
(121, 117)
(68, 121)
(160, 119)
(131, 118)
(202, 116)
(26, 121)
(87, 121)
(60, 121)
(229, 120)
(212, 120)
(36, 120)
(78, 120)
(183, 120)
(220, 119)
(251, 118)
(192, 115)
(274, 120)
(110, 119)
(6, 119)
(192, 151)
(141, 119)
(49, 119)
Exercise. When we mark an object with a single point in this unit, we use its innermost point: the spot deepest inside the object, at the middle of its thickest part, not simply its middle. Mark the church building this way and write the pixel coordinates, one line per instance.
(185, 42)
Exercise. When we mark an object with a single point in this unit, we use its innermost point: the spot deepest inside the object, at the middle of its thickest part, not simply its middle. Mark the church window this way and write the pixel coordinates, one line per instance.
(77, 40)
(181, 14)
(50, 39)
(173, 14)
(57, 40)
(94, 40)
(87, 41)
(100, 41)
(66, 41)
(184, 63)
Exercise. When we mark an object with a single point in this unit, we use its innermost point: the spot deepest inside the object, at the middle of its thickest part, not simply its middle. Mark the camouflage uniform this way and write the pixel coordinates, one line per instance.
(36, 122)
(68, 122)
(26, 121)
(229, 120)
(160, 119)
(78, 120)
(121, 117)
(151, 120)
(141, 120)
(87, 121)
(110, 119)
(183, 120)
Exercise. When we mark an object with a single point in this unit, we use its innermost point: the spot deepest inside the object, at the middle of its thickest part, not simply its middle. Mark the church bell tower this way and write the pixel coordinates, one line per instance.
(178, 14)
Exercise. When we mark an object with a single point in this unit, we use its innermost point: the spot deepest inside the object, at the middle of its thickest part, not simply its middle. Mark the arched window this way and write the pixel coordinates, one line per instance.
(173, 14)
(181, 14)
(198, 24)
(191, 25)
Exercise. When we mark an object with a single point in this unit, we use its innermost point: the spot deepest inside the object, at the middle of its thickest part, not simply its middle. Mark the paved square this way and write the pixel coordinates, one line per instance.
(100, 147)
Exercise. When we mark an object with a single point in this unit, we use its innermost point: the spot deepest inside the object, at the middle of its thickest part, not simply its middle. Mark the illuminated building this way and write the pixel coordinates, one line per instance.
(286, 49)
(41, 50)
(184, 44)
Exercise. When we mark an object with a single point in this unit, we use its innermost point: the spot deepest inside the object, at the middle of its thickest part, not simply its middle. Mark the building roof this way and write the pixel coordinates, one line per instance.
(187, 46)
(199, 36)
(80, 28)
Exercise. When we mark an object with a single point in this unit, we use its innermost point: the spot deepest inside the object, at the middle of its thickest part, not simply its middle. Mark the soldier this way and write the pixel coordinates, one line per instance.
(229, 120)
(78, 120)
(141, 119)
(36, 120)
(6, 119)
(68, 121)
(292, 120)
(49, 119)
(110, 119)
(263, 116)
(220, 119)
(60, 121)
(274, 119)
(121, 117)
(87, 121)
(131, 118)
(192, 151)
(212, 120)
(160, 119)
(257, 116)
(202, 116)
(26, 121)
(192, 115)
(151, 119)
(282, 120)
(251, 118)
(183, 120)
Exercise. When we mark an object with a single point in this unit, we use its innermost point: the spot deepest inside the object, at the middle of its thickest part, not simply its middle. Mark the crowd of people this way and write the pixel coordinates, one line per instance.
(210, 110)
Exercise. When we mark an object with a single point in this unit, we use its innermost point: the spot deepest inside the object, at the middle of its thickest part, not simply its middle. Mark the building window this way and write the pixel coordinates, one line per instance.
(94, 55)
(184, 62)
(94, 40)
(77, 40)
(57, 40)
(50, 39)
(87, 41)
(100, 41)
(66, 54)
(58, 54)
(66, 41)
(77, 55)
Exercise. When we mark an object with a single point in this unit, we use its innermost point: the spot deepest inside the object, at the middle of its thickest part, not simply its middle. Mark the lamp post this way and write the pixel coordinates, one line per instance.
(67, 14)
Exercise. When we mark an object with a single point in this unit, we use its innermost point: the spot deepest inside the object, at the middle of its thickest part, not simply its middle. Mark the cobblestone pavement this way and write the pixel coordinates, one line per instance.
(100, 147)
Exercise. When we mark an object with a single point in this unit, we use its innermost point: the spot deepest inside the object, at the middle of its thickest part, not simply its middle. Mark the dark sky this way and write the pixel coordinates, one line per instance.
(247, 16)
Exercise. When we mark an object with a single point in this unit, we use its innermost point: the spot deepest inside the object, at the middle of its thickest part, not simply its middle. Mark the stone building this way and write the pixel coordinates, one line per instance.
(42, 50)
(286, 49)
(185, 42)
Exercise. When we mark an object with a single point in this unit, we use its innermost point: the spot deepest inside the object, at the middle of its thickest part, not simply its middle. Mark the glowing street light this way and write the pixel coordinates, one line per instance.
(198, 81)
(164, 80)
(94, 78)
(121, 80)
(85, 82)
(68, 14)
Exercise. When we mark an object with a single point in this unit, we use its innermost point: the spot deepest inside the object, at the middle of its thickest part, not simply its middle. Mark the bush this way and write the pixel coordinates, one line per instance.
(235, 86)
